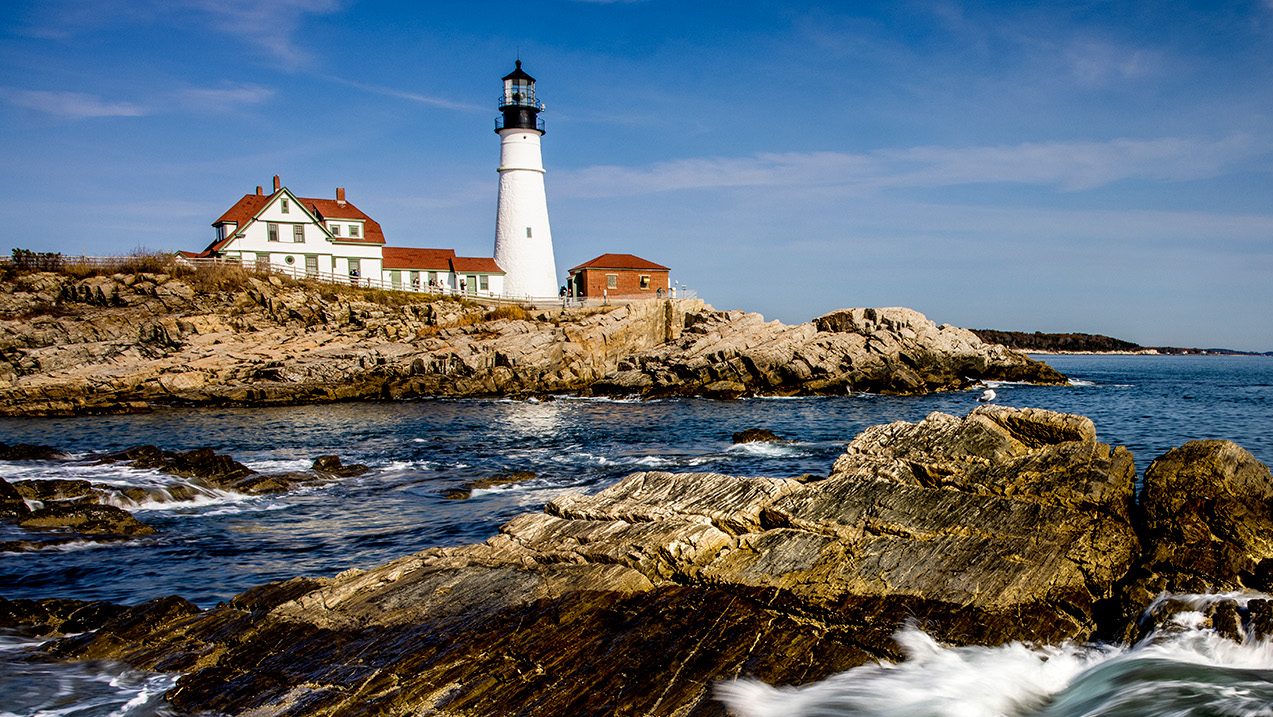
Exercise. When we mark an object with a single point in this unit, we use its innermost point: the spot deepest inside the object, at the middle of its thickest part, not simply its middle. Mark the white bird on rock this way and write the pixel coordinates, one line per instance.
(986, 396)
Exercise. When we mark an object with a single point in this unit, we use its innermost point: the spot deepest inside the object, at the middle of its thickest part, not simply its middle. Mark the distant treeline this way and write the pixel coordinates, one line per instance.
(1082, 343)
(1039, 341)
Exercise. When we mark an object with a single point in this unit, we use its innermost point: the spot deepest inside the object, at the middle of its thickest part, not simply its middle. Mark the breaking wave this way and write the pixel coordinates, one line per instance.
(1188, 671)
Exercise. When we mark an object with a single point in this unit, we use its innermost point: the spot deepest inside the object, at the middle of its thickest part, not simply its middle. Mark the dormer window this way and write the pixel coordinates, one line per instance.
(284, 205)
(335, 230)
(353, 230)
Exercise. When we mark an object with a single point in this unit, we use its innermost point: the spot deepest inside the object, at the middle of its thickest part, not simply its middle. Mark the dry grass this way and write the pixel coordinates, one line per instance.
(513, 312)
(228, 277)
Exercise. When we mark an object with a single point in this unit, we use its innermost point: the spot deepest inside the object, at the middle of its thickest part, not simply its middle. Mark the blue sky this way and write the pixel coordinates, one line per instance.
(1099, 166)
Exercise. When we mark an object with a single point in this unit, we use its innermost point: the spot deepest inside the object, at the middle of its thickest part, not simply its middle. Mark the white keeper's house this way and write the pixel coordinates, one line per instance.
(333, 239)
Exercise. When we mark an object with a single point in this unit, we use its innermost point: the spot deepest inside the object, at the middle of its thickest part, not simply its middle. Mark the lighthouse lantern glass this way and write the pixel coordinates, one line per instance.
(519, 92)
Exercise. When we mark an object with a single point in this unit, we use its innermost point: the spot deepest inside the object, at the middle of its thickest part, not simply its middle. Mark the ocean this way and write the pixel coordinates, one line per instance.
(212, 548)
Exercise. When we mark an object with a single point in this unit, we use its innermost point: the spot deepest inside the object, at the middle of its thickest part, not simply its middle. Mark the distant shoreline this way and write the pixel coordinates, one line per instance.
(1148, 352)
(1038, 342)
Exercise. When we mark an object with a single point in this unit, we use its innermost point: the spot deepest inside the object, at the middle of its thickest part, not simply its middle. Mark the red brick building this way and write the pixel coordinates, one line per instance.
(619, 275)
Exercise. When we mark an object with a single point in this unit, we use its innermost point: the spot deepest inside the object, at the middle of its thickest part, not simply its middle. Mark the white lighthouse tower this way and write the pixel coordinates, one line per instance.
(523, 240)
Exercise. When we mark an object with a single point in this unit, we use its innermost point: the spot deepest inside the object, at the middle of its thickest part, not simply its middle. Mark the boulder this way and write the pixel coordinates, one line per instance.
(757, 435)
(29, 452)
(331, 466)
(466, 491)
(56, 489)
(12, 504)
(86, 519)
(1206, 520)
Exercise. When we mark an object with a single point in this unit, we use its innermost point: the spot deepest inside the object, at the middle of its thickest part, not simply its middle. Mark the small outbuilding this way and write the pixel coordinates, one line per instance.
(619, 275)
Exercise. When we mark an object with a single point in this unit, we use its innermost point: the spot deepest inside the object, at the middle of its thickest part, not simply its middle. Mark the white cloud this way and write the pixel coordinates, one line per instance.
(76, 105)
(1068, 166)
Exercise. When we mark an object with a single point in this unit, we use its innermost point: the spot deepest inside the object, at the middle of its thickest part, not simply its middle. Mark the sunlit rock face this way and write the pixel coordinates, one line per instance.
(136, 341)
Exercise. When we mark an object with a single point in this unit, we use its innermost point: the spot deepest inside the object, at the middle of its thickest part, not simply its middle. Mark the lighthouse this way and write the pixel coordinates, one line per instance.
(523, 240)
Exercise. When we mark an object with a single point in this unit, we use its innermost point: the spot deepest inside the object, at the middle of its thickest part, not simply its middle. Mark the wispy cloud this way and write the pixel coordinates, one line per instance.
(1096, 63)
(225, 97)
(272, 26)
(405, 95)
(1068, 166)
(75, 105)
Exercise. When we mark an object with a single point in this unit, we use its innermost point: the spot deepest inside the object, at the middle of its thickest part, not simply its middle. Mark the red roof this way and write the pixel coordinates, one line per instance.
(332, 209)
(477, 264)
(406, 258)
(620, 261)
(323, 209)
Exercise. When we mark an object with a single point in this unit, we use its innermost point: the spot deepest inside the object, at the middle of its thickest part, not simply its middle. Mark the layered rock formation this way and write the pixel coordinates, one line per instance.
(1009, 524)
(131, 342)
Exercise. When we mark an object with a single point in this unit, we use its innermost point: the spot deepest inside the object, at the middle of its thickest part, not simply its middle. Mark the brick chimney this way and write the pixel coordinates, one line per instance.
(259, 191)
(340, 196)
(277, 184)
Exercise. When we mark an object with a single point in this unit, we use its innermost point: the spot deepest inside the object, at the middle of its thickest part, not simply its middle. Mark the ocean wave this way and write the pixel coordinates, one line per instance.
(279, 465)
(75, 546)
(404, 466)
(770, 449)
(1156, 678)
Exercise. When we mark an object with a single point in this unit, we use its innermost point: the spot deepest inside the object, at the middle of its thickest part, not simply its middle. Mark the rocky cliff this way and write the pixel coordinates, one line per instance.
(134, 341)
(1008, 524)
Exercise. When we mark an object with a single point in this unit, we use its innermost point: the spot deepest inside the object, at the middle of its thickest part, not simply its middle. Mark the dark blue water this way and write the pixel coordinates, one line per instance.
(210, 550)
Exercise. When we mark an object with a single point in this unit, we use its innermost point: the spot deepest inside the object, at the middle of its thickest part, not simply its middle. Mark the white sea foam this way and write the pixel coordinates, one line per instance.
(1219, 676)
(404, 466)
(1081, 382)
(769, 449)
(75, 546)
(279, 465)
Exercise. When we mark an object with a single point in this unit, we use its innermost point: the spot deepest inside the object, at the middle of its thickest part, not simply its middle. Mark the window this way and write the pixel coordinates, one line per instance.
(290, 260)
(298, 233)
(335, 230)
(528, 233)
(283, 204)
(353, 230)
(484, 282)
(271, 231)
(612, 281)
(645, 282)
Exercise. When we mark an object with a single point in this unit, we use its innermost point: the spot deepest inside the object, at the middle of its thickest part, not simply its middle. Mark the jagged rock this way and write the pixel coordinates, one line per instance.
(1004, 525)
(134, 341)
(1206, 521)
(466, 491)
(56, 489)
(12, 505)
(893, 350)
(55, 616)
(331, 466)
(86, 519)
(204, 464)
(757, 435)
(29, 452)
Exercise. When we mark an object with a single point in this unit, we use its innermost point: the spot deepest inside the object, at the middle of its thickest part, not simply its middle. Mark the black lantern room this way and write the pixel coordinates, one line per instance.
(518, 107)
